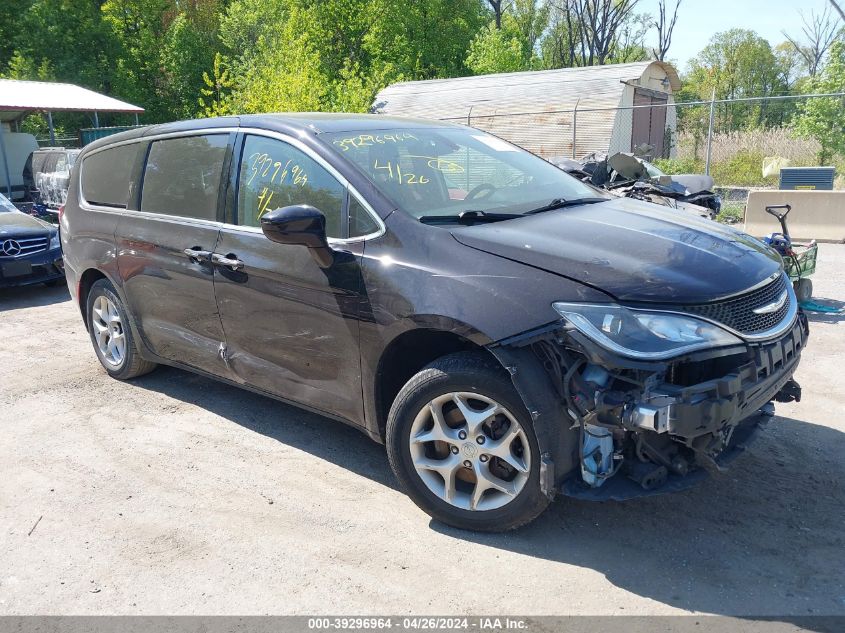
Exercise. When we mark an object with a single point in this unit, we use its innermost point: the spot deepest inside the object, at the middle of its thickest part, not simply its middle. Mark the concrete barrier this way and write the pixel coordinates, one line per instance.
(818, 215)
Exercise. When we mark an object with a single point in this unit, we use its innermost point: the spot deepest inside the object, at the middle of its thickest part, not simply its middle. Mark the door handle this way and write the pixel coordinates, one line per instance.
(229, 261)
(195, 254)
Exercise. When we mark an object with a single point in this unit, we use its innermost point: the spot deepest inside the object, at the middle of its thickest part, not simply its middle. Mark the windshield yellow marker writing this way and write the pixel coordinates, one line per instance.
(396, 174)
(367, 140)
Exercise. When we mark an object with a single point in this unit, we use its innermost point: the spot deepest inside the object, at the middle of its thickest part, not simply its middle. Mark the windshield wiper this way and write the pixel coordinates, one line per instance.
(560, 203)
(471, 216)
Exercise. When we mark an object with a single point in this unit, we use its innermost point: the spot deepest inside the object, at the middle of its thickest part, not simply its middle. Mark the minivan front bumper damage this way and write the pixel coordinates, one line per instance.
(610, 427)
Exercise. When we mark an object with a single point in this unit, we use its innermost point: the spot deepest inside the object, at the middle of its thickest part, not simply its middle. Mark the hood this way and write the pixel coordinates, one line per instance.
(632, 250)
(693, 183)
(19, 223)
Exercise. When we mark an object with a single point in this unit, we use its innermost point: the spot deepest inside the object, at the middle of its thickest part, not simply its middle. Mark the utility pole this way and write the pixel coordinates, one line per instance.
(710, 130)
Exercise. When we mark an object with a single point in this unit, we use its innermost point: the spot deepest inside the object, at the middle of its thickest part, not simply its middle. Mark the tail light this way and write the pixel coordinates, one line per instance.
(61, 211)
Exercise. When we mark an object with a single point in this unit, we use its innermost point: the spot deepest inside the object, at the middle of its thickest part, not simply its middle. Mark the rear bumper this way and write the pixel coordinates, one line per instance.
(46, 266)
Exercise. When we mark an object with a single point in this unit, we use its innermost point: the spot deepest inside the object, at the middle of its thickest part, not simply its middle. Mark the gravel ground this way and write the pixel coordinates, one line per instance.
(175, 494)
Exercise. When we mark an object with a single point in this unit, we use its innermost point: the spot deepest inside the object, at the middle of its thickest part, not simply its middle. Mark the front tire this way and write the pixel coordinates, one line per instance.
(462, 445)
(108, 325)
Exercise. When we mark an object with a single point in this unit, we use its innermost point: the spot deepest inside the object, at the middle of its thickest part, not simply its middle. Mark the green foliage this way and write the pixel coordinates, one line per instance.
(337, 54)
(743, 169)
(50, 34)
(823, 118)
(180, 59)
(679, 166)
(11, 17)
(510, 48)
(216, 95)
(187, 52)
(731, 213)
(737, 63)
(571, 40)
(498, 50)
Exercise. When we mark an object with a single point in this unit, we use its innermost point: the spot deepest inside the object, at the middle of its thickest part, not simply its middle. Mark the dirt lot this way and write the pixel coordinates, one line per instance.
(176, 494)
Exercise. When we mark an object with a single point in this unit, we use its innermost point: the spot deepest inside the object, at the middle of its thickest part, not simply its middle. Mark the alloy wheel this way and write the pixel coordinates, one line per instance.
(470, 451)
(108, 331)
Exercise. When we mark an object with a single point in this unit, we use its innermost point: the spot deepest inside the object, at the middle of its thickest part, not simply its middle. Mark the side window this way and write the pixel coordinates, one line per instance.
(49, 165)
(37, 162)
(61, 163)
(275, 174)
(182, 176)
(361, 223)
(106, 174)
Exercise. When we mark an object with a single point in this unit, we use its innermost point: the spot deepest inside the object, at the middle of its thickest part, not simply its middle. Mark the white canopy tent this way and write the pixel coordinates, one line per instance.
(20, 98)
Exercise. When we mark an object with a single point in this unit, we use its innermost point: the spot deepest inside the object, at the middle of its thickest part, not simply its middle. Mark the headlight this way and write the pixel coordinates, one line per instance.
(641, 333)
(55, 242)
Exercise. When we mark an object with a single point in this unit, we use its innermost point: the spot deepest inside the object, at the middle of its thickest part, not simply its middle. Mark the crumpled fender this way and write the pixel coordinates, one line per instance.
(557, 441)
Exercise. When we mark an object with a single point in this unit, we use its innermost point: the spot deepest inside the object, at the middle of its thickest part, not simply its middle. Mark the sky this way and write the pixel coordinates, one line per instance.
(698, 20)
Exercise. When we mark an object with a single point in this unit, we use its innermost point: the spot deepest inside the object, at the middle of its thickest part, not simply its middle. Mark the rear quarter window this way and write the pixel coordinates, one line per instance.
(182, 176)
(106, 175)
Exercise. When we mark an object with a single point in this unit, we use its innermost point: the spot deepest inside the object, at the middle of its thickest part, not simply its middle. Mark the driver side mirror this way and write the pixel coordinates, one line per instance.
(301, 225)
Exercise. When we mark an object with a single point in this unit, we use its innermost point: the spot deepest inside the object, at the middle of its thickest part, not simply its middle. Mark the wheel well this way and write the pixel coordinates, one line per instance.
(406, 355)
(88, 279)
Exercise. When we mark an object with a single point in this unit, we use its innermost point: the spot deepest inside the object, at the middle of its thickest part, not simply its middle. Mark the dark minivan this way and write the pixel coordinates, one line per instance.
(509, 332)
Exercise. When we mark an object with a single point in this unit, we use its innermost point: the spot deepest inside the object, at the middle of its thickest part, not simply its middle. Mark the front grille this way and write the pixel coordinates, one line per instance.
(19, 246)
(738, 313)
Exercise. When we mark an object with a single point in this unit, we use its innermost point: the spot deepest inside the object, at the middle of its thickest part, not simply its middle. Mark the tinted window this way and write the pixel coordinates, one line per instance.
(182, 176)
(106, 174)
(360, 221)
(275, 174)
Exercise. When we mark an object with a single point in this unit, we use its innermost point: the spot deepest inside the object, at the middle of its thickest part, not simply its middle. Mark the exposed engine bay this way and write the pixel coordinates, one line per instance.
(650, 427)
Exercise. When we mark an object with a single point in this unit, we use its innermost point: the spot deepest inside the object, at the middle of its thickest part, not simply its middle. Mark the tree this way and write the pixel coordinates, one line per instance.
(629, 45)
(497, 50)
(510, 46)
(734, 64)
(337, 54)
(53, 32)
(792, 66)
(216, 94)
(664, 25)
(821, 118)
(819, 31)
(531, 17)
(737, 63)
(189, 47)
(587, 32)
(498, 9)
(11, 31)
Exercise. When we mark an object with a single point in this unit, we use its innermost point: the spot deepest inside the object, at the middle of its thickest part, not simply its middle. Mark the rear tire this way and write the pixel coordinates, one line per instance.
(108, 326)
(474, 465)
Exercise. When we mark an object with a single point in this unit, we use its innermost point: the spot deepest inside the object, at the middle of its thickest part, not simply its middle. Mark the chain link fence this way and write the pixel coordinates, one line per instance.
(727, 138)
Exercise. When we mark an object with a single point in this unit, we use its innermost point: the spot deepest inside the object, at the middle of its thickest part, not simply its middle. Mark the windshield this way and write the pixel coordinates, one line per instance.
(5, 205)
(430, 172)
(652, 169)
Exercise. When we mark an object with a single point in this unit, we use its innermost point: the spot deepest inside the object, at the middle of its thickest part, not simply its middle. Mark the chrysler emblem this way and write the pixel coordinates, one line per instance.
(10, 248)
(774, 306)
